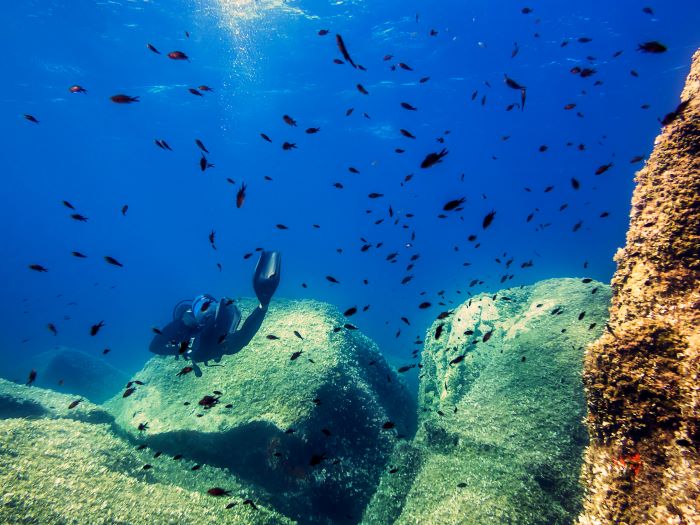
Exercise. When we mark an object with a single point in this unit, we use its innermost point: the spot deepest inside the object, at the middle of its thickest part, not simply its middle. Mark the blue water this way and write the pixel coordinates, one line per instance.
(264, 60)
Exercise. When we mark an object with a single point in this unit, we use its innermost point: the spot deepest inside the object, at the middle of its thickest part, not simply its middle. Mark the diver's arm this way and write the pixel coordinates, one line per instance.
(167, 342)
(235, 341)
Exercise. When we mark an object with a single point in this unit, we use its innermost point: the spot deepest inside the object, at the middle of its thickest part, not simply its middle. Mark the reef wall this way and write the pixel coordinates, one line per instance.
(641, 376)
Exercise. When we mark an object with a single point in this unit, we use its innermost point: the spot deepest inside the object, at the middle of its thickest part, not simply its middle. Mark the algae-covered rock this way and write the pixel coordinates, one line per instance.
(34, 402)
(501, 410)
(74, 372)
(62, 471)
(643, 463)
(308, 429)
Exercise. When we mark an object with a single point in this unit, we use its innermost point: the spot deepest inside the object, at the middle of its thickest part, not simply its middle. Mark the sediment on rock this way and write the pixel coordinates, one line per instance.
(297, 415)
(501, 409)
(641, 376)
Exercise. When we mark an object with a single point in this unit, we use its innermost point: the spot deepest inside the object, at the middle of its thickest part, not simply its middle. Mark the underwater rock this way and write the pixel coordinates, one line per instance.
(71, 371)
(307, 429)
(34, 402)
(641, 378)
(63, 471)
(501, 434)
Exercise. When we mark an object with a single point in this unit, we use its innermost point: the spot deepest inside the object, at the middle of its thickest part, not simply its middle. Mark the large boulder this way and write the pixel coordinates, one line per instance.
(65, 471)
(501, 409)
(308, 429)
(72, 371)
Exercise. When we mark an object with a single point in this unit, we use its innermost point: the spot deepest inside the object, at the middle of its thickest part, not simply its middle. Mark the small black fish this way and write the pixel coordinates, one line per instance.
(673, 115)
(316, 459)
(438, 331)
(113, 261)
(250, 503)
(457, 360)
(201, 145)
(602, 169)
(295, 355)
(451, 205)
(488, 219)
(433, 158)
(652, 47)
(218, 491)
(204, 163)
(344, 50)
(515, 85)
(96, 328)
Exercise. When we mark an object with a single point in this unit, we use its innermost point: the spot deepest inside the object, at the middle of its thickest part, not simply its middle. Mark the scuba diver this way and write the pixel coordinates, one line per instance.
(203, 329)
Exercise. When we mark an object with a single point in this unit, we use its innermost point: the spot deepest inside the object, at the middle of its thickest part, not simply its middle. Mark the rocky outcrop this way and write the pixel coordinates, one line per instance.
(33, 402)
(642, 375)
(71, 371)
(501, 409)
(65, 471)
(298, 412)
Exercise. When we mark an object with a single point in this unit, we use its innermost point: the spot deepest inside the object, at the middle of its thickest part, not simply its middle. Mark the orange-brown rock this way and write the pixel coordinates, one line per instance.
(642, 377)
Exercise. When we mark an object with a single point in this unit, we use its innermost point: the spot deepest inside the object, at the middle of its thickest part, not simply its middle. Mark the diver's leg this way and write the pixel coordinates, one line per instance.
(235, 341)
(197, 370)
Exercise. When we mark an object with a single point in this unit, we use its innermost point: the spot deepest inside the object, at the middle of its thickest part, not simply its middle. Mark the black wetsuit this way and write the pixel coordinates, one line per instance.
(215, 339)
